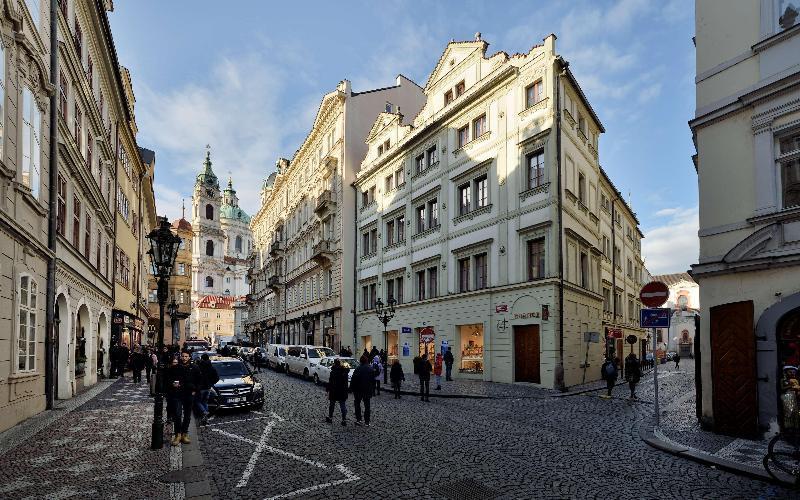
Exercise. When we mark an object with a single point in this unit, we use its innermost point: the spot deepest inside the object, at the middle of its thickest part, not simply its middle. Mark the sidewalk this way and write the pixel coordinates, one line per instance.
(97, 445)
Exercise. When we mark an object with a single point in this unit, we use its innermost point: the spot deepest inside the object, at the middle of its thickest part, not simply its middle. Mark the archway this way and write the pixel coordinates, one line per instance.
(103, 336)
(64, 375)
(81, 341)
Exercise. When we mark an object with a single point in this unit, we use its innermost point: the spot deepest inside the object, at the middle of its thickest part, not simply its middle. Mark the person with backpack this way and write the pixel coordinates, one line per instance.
(609, 373)
(337, 391)
(633, 373)
(362, 384)
(424, 370)
(208, 377)
(377, 368)
(396, 376)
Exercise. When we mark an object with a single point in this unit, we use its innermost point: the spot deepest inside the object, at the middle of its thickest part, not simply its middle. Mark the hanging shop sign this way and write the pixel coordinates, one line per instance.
(427, 334)
(614, 333)
(501, 308)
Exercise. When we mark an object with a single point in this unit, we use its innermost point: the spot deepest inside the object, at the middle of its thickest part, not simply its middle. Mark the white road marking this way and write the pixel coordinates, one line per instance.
(226, 422)
(251, 464)
(349, 477)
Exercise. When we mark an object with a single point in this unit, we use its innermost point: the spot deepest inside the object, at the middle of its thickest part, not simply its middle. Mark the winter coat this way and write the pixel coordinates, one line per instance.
(448, 358)
(138, 361)
(377, 367)
(187, 378)
(362, 382)
(208, 375)
(337, 385)
(633, 371)
(608, 376)
(396, 373)
(437, 365)
(424, 369)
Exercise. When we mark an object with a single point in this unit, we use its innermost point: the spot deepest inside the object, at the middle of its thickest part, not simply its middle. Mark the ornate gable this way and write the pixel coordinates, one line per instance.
(775, 241)
(452, 55)
(384, 120)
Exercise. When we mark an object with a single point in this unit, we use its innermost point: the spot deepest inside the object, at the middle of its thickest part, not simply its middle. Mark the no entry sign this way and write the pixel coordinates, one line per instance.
(654, 294)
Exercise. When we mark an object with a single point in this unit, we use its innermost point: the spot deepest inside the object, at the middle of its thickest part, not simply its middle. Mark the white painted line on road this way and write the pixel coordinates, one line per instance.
(349, 477)
(236, 421)
(277, 451)
(251, 464)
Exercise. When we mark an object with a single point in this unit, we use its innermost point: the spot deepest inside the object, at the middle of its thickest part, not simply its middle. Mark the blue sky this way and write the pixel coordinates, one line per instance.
(248, 79)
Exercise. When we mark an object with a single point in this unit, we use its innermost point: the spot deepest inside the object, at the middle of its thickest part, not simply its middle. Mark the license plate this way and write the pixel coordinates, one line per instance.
(236, 400)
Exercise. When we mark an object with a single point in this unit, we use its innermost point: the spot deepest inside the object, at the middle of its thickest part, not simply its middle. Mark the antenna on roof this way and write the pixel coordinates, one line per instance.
(478, 36)
(183, 208)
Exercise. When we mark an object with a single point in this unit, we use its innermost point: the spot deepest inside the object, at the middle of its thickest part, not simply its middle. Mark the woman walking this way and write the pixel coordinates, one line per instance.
(337, 391)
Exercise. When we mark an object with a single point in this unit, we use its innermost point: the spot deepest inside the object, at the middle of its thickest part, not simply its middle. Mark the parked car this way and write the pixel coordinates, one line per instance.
(321, 372)
(197, 354)
(300, 359)
(246, 353)
(276, 357)
(195, 344)
(237, 387)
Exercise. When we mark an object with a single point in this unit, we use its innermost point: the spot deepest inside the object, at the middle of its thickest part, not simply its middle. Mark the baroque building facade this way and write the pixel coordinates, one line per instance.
(746, 130)
(221, 243)
(489, 219)
(301, 268)
(684, 301)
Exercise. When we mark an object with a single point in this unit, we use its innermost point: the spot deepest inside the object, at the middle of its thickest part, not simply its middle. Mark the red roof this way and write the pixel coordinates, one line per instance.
(181, 224)
(217, 301)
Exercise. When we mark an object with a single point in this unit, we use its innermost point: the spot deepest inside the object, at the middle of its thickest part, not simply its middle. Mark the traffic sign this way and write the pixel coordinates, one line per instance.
(654, 294)
(655, 318)
(631, 339)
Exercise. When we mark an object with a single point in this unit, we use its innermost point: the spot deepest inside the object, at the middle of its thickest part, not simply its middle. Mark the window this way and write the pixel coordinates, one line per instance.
(463, 136)
(535, 169)
(386, 145)
(629, 269)
(399, 178)
(604, 202)
(606, 246)
(448, 97)
(790, 170)
(77, 130)
(481, 271)
(63, 89)
(61, 207)
(584, 270)
(433, 213)
(464, 193)
(430, 154)
(631, 310)
(97, 249)
(365, 246)
(152, 296)
(31, 142)
(78, 39)
(481, 191)
(87, 236)
(432, 282)
(463, 274)
(373, 239)
(478, 126)
(209, 212)
(606, 300)
(419, 163)
(617, 257)
(181, 269)
(618, 303)
(90, 71)
(421, 285)
(533, 93)
(401, 229)
(581, 124)
(460, 87)
(210, 248)
(238, 244)
(107, 268)
(399, 286)
(421, 219)
(389, 290)
(76, 222)
(28, 297)
(209, 282)
(89, 150)
(372, 194)
(380, 149)
(389, 183)
(536, 259)
(582, 188)
(390, 233)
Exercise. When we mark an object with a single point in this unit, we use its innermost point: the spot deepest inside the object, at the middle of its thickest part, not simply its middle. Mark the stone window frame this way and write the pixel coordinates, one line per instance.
(530, 146)
(468, 121)
(780, 159)
(393, 216)
(364, 286)
(424, 151)
(394, 275)
(425, 199)
(470, 176)
(426, 265)
(470, 251)
(28, 309)
(539, 231)
(368, 229)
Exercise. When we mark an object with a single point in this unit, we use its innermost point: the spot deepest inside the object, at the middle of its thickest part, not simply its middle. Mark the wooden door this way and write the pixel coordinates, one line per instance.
(526, 354)
(733, 369)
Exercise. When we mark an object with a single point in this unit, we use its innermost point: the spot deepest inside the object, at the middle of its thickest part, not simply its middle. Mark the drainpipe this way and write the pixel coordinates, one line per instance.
(52, 239)
(559, 370)
(355, 271)
(613, 263)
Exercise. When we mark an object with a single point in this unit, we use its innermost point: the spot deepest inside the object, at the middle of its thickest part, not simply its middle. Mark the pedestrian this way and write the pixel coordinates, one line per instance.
(208, 377)
(396, 376)
(448, 364)
(374, 352)
(138, 362)
(182, 380)
(361, 383)
(343, 352)
(437, 370)
(384, 358)
(349, 352)
(677, 360)
(365, 353)
(377, 369)
(112, 358)
(257, 359)
(609, 373)
(618, 366)
(424, 372)
(337, 391)
(632, 373)
(148, 364)
(154, 363)
(124, 358)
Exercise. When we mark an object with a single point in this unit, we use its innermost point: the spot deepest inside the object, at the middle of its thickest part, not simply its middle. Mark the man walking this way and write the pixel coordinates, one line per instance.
(122, 362)
(448, 364)
(377, 369)
(362, 384)
(182, 380)
(208, 377)
(609, 373)
(424, 372)
(677, 360)
(396, 376)
(632, 373)
(337, 391)
(137, 364)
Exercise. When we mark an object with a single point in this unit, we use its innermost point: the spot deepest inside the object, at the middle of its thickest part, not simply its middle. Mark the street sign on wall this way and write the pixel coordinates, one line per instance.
(654, 294)
(655, 318)
(591, 337)
(614, 333)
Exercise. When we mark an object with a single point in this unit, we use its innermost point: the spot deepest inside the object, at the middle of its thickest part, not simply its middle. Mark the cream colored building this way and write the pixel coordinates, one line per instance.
(303, 258)
(746, 130)
(684, 300)
(464, 220)
(215, 317)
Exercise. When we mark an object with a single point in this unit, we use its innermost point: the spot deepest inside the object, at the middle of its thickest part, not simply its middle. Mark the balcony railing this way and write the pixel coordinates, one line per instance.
(275, 248)
(322, 251)
(325, 203)
(274, 281)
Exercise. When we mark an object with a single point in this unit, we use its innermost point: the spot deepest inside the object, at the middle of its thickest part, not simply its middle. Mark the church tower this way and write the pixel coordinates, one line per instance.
(208, 245)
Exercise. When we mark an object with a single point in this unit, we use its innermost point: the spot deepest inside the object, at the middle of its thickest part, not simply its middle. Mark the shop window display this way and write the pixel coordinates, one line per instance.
(471, 338)
(393, 345)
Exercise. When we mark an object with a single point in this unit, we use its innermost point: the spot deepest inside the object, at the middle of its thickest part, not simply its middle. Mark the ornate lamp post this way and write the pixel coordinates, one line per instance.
(385, 315)
(172, 310)
(163, 250)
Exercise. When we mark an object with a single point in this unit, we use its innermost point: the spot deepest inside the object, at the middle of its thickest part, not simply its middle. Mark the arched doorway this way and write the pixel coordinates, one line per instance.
(81, 341)
(64, 375)
(103, 336)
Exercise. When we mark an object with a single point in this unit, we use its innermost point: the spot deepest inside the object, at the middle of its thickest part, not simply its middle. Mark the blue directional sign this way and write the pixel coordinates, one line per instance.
(406, 329)
(655, 318)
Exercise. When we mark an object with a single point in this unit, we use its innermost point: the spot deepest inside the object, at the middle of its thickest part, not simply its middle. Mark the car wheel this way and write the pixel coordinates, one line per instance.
(316, 379)
(305, 374)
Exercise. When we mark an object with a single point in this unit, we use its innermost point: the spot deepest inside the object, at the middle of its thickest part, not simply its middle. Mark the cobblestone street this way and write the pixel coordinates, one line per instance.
(531, 445)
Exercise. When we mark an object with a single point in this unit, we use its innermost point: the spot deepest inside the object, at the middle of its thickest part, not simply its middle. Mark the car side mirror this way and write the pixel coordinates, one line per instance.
(303, 356)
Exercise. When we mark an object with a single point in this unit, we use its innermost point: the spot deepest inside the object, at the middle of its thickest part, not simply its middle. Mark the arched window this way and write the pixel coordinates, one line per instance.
(209, 212)
(209, 281)
(239, 244)
(210, 248)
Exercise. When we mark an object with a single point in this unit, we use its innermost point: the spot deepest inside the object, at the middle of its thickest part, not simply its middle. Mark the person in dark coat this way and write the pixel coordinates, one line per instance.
(122, 360)
(424, 370)
(148, 364)
(337, 391)
(448, 364)
(677, 360)
(396, 376)
(138, 362)
(182, 380)
(208, 377)
(112, 357)
(609, 373)
(633, 373)
(362, 383)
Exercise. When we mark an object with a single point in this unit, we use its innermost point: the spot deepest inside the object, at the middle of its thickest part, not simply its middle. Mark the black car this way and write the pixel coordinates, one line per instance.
(237, 387)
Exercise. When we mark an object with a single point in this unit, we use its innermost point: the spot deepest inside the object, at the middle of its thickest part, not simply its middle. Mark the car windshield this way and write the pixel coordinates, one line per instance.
(231, 369)
(319, 352)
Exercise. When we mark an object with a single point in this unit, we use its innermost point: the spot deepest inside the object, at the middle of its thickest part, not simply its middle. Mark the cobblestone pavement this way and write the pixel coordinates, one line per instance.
(530, 446)
(100, 449)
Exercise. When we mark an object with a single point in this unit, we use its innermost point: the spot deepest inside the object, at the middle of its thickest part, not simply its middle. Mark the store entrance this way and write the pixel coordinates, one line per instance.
(526, 354)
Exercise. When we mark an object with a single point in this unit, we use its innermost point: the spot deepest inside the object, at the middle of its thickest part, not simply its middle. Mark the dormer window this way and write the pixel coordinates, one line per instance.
(460, 88)
(380, 149)
(533, 93)
(386, 145)
(448, 97)
(789, 164)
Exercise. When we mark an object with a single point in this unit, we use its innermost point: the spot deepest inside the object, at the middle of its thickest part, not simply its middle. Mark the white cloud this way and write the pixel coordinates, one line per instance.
(672, 246)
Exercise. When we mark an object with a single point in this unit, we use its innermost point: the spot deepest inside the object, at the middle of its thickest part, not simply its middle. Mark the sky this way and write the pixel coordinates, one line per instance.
(248, 79)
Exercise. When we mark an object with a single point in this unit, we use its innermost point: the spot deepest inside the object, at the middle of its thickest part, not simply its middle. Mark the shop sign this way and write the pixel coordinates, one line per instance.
(655, 318)
(593, 337)
(406, 329)
(526, 315)
(615, 333)
(427, 334)
(501, 308)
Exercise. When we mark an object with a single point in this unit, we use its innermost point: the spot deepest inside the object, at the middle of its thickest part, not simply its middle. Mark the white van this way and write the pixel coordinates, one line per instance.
(300, 359)
(276, 357)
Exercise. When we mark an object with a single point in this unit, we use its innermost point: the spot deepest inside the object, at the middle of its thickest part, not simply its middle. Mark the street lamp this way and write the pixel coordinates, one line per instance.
(385, 315)
(163, 250)
(172, 310)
